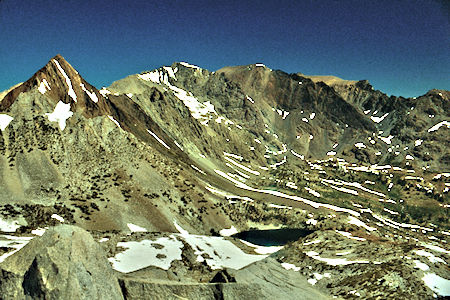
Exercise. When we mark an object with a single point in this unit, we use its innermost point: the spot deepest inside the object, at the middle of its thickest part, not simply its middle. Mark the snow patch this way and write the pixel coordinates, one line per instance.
(289, 266)
(60, 114)
(228, 232)
(104, 92)
(158, 139)
(136, 228)
(421, 265)
(359, 223)
(439, 285)
(335, 261)
(313, 192)
(114, 120)
(217, 252)
(439, 125)
(91, 95)
(387, 140)
(71, 92)
(360, 145)
(4, 121)
(430, 256)
(44, 86)
(189, 65)
(379, 119)
(15, 242)
(279, 206)
(8, 225)
(57, 217)
(139, 255)
(350, 236)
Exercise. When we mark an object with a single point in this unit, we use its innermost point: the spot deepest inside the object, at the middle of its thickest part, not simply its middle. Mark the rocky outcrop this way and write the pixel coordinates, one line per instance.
(65, 263)
(135, 289)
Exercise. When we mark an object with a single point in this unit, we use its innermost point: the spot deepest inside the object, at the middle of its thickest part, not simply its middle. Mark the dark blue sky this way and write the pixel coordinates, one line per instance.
(401, 47)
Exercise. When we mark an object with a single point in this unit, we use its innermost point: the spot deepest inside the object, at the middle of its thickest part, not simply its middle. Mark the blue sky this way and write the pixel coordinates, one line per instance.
(401, 47)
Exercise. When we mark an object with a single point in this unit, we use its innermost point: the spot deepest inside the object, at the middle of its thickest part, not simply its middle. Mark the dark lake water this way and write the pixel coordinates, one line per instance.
(272, 237)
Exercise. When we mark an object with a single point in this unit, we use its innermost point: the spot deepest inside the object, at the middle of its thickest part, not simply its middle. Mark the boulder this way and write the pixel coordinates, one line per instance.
(65, 263)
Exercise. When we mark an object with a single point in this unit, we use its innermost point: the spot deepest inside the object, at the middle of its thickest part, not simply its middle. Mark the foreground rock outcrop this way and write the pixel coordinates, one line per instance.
(65, 263)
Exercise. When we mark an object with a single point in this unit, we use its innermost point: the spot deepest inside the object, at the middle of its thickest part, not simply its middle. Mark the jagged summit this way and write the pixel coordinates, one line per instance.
(59, 81)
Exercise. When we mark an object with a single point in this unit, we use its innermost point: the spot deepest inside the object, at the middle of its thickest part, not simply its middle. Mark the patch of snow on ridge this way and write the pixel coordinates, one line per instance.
(198, 110)
(379, 119)
(430, 256)
(158, 139)
(421, 265)
(279, 206)
(217, 252)
(387, 140)
(360, 145)
(439, 285)
(104, 92)
(289, 266)
(228, 232)
(136, 228)
(242, 167)
(312, 192)
(60, 114)
(435, 248)
(439, 125)
(39, 231)
(292, 185)
(418, 143)
(57, 217)
(44, 86)
(15, 242)
(233, 155)
(91, 95)
(335, 261)
(171, 72)
(71, 92)
(250, 99)
(189, 65)
(139, 255)
(4, 121)
(115, 121)
(198, 169)
(262, 249)
(350, 236)
(297, 155)
(8, 225)
(331, 183)
(359, 223)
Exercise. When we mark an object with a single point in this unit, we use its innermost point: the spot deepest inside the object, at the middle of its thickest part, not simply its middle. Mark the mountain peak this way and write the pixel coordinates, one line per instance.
(59, 81)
